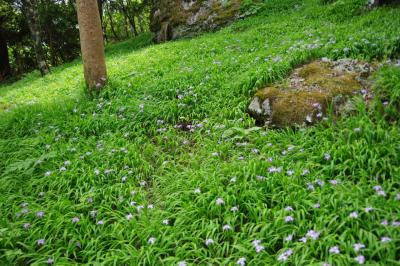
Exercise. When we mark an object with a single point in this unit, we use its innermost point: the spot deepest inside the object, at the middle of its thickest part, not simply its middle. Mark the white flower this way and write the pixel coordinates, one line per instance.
(227, 227)
(233, 179)
(234, 209)
(197, 190)
(151, 240)
(182, 263)
(165, 221)
(129, 217)
(219, 201)
(209, 241)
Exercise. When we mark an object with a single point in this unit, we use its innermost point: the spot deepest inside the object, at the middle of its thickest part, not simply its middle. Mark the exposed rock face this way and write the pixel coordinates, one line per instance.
(304, 97)
(173, 19)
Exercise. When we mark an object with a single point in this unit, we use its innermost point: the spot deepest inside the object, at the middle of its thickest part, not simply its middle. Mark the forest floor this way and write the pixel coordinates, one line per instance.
(165, 167)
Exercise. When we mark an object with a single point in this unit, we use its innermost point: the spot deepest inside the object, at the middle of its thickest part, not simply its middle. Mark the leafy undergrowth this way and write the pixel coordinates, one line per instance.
(166, 168)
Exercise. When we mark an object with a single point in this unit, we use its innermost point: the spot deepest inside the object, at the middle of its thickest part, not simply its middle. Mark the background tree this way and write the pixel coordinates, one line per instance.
(57, 26)
(32, 15)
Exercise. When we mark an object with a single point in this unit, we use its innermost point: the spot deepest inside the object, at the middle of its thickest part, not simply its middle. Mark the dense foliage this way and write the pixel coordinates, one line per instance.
(59, 29)
(166, 167)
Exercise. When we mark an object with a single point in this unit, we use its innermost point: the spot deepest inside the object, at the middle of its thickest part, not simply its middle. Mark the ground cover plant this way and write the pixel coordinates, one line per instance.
(166, 168)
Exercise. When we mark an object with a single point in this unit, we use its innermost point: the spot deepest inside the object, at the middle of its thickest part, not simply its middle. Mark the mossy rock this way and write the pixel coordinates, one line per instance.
(304, 97)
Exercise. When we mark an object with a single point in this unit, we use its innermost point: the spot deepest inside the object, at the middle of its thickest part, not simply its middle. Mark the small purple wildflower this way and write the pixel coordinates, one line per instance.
(313, 234)
(75, 220)
(285, 255)
(353, 214)
(40, 214)
(289, 219)
(385, 239)
(227, 227)
(334, 250)
(40, 242)
(26, 226)
(241, 261)
(151, 240)
(360, 259)
(50, 261)
(101, 222)
(358, 246)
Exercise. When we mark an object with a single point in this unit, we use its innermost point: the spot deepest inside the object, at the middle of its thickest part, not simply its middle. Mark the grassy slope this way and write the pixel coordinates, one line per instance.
(206, 81)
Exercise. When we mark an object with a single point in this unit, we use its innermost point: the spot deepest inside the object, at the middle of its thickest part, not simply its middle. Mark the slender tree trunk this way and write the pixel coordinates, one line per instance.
(112, 25)
(140, 22)
(32, 16)
(5, 69)
(92, 45)
(130, 19)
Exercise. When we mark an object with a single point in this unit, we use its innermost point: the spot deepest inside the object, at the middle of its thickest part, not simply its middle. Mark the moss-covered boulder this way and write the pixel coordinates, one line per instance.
(305, 96)
(172, 19)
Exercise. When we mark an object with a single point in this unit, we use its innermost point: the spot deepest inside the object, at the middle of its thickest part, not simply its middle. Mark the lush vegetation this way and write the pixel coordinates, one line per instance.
(166, 168)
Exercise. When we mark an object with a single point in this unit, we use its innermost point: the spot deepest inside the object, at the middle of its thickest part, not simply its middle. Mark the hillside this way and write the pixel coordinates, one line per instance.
(165, 167)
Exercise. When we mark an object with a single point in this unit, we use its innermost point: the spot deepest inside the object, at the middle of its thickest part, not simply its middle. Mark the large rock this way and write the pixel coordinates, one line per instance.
(305, 97)
(173, 19)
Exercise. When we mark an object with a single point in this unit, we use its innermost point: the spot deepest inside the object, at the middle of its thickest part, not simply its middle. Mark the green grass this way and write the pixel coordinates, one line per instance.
(67, 155)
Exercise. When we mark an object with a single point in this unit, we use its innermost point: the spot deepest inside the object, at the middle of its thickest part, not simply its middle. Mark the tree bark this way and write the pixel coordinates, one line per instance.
(131, 19)
(32, 16)
(92, 47)
(5, 69)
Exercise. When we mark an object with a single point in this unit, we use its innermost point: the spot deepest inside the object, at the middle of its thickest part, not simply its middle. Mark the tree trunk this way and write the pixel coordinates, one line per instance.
(112, 25)
(131, 20)
(140, 21)
(5, 69)
(32, 16)
(92, 46)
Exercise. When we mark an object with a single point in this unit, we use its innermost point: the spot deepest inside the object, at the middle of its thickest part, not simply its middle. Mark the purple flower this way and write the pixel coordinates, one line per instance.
(101, 222)
(360, 259)
(385, 239)
(317, 205)
(313, 234)
(40, 242)
(327, 156)
(289, 219)
(368, 209)
(289, 238)
(285, 255)
(384, 222)
(182, 263)
(353, 215)
(334, 250)
(234, 209)
(334, 182)
(289, 208)
(40, 214)
(50, 261)
(241, 262)
(358, 246)
(75, 220)
(310, 186)
(26, 226)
